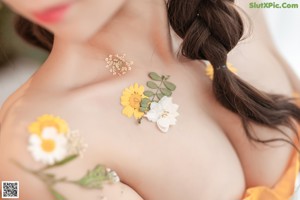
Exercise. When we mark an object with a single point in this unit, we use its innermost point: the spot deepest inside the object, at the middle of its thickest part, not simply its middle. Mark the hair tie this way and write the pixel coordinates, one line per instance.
(222, 67)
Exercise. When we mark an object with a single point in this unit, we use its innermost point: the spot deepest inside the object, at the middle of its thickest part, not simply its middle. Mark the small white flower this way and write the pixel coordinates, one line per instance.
(48, 148)
(164, 113)
(113, 176)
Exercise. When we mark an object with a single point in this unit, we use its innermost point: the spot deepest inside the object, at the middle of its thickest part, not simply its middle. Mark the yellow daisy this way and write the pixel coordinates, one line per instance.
(131, 101)
(48, 121)
(210, 70)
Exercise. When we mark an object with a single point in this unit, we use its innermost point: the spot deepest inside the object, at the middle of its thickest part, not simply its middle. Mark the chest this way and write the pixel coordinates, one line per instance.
(202, 152)
(177, 168)
(193, 155)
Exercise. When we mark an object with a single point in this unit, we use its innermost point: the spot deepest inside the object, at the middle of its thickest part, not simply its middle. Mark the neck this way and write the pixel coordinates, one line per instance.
(140, 30)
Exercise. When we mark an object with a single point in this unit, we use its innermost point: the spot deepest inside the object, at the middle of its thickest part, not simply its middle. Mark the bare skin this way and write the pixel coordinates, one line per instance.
(197, 159)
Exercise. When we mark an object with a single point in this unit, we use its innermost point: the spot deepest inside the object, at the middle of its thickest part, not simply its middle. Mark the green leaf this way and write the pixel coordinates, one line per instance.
(166, 92)
(143, 109)
(169, 85)
(154, 76)
(57, 195)
(152, 85)
(149, 93)
(50, 176)
(160, 95)
(145, 102)
(95, 178)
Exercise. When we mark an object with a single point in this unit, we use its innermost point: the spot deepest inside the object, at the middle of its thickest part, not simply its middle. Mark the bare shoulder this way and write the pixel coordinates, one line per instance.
(12, 99)
(13, 143)
(21, 110)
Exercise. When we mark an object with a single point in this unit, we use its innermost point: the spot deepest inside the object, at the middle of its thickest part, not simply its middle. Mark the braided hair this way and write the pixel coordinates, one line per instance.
(210, 29)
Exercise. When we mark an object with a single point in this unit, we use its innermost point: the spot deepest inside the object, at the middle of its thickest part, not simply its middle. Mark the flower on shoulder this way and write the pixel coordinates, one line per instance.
(131, 101)
(210, 70)
(49, 147)
(51, 140)
(164, 113)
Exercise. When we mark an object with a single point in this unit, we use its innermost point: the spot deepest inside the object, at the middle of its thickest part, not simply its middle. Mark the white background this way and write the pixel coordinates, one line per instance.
(285, 28)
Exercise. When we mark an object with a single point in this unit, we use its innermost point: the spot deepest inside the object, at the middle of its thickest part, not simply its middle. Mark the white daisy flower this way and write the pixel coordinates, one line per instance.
(49, 147)
(164, 113)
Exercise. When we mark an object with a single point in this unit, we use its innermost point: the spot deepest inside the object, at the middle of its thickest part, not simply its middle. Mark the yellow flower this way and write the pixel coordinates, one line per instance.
(48, 121)
(131, 100)
(210, 70)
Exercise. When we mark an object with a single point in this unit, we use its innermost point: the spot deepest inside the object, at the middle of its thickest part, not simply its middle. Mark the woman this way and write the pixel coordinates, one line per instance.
(219, 135)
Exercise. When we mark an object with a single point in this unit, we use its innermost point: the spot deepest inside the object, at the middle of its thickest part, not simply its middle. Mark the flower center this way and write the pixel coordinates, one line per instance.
(165, 114)
(48, 145)
(135, 100)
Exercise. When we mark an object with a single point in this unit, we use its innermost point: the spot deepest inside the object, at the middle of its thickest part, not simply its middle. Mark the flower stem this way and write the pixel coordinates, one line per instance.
(161, 82)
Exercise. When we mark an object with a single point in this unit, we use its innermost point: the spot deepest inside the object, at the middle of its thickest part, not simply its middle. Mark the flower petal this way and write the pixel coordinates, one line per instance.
(49, 132)
(34, 139)
(163, 124)
(128, 111)
(141, 90)
(125, 103)
(136, 87)
(152, 116)
(131, 88)
(127, 92)
(172, 120)
(34, 128)
(153, 105)
(137, 114)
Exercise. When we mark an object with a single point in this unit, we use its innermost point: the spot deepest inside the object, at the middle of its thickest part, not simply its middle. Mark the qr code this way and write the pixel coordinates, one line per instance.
(10, 189)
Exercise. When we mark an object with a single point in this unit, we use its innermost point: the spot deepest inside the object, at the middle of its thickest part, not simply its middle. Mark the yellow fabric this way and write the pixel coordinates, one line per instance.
(283, 190)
